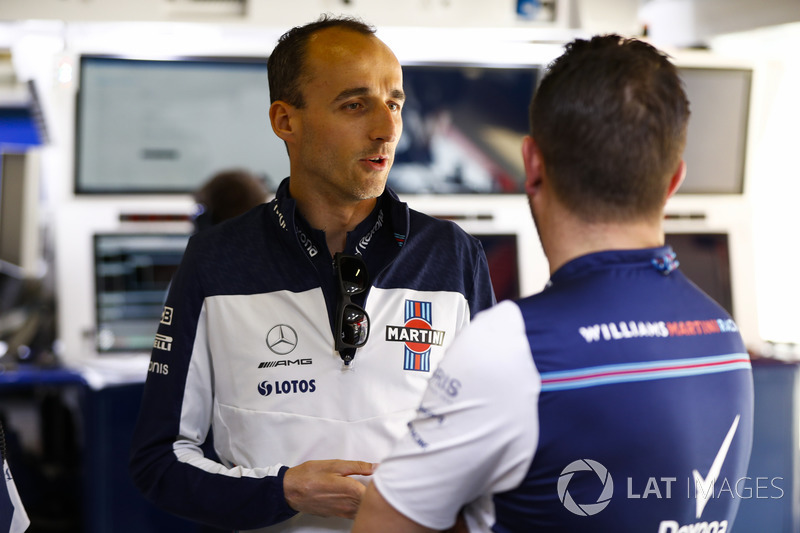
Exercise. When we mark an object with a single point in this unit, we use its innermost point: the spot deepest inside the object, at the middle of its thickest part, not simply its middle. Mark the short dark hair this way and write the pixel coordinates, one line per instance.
(610, 118)
(286, 64)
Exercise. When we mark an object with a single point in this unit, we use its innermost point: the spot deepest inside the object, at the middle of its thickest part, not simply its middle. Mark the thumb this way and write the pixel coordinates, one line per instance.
(357, 468)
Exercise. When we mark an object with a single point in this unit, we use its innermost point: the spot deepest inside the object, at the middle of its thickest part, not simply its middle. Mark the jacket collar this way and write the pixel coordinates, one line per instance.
(390, 215)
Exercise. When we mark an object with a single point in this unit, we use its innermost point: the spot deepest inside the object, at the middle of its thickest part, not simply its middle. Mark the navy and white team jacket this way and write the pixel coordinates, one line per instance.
(620, 398)
(246, 346)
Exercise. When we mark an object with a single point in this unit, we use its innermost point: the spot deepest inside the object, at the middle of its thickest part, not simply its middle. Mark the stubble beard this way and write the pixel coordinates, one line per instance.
(371, 189)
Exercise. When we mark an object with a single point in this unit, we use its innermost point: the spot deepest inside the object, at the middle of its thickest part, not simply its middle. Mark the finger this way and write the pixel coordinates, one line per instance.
(356, 468)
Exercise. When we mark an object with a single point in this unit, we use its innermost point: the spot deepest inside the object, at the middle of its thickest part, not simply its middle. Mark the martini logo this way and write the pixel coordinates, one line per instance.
(417, 334)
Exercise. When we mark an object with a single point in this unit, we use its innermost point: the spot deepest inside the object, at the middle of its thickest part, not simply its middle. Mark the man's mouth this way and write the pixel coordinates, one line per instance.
(377, 162)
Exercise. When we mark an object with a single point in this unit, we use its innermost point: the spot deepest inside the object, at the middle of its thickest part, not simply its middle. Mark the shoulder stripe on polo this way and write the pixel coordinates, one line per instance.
(644, 371)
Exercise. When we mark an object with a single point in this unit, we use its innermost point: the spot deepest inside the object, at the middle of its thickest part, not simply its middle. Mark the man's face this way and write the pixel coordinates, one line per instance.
(350, 125)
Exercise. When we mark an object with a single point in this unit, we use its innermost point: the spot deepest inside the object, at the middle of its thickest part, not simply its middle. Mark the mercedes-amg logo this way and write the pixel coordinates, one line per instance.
(282, 339)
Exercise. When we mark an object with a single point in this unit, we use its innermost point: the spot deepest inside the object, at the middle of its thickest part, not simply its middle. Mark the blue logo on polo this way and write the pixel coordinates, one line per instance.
(289, 386)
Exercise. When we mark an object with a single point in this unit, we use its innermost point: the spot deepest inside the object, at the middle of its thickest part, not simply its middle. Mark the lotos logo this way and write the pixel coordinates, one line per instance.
(417, 334)
(265, 388)
(585, 509)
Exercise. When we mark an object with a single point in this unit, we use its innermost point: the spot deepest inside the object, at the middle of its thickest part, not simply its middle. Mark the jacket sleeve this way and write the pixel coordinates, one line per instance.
(482, 295)
(167, 462)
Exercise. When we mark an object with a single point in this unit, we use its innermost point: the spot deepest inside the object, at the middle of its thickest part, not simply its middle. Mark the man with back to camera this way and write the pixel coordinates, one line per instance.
(620, 398)
(288, 329)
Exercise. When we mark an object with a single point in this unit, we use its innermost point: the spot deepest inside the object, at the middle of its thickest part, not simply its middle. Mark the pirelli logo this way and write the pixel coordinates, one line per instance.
(163, 342)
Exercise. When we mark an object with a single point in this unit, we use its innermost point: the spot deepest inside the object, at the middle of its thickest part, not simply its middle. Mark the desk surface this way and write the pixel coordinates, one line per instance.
(27, 375)
(97, 373)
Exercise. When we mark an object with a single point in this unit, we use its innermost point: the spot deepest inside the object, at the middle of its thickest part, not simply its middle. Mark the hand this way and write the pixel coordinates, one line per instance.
(323, 488)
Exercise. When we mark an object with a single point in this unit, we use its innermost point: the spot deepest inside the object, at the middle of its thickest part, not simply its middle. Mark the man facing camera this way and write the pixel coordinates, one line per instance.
(285, 328)
(620, 398)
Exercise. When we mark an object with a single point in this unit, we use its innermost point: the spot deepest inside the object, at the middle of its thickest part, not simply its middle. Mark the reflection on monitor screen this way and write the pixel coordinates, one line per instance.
(705, 259)
(462, 129)
(132, 274)
(503, 258)
(464, 124)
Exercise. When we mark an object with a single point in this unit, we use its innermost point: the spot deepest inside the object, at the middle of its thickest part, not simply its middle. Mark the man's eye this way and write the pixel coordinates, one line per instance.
(394, 107)
(352, 105)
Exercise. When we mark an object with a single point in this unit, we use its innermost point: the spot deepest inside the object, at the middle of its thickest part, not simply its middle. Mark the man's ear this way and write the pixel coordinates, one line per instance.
(282, 118)
(676, 179)
(534, 166)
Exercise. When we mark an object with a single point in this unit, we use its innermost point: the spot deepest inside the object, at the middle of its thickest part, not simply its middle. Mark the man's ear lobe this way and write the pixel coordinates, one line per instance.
(532, 159)
(281, 116)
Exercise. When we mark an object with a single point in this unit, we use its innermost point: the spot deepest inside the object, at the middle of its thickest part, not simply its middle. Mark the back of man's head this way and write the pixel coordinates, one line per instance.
(287, 62)
(610, 119)
(227, 194)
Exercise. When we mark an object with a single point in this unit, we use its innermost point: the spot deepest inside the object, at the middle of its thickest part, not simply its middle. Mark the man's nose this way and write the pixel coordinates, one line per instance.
(387, 125)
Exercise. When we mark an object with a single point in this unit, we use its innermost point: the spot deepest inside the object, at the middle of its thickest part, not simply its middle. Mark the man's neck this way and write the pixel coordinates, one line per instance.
(572, 238)
(335, 218)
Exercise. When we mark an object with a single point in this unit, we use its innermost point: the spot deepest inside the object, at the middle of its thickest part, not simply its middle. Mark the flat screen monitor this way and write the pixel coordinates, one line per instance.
(716, 143)
(132, 275)
(166, 126)
(705, 259)
(462, 129)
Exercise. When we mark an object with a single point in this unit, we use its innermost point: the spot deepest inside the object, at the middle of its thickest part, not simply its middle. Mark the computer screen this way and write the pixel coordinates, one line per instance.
(167, 126)
(132, 275)
(705, 259)
(464, 124)
(462, 129)
(716, 142)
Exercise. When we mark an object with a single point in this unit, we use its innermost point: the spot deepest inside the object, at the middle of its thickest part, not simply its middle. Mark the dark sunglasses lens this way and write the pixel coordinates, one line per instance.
(355, 326)
(353, 273)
